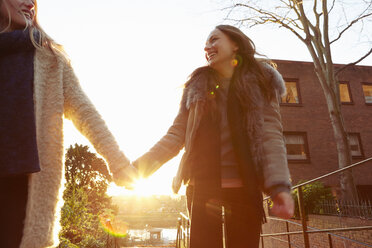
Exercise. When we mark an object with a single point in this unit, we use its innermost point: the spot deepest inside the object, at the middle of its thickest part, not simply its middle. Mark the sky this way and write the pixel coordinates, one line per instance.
(132, 58)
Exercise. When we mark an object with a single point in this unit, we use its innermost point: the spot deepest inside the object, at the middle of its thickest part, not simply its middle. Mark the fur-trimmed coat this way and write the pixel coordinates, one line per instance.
(263, 123)
(57, 93)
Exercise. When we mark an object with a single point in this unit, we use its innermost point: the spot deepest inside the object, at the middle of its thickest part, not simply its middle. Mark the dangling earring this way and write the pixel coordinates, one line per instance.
(236, 61)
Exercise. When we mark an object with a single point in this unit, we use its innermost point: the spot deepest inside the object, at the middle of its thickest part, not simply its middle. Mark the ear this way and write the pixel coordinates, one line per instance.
(235, 47)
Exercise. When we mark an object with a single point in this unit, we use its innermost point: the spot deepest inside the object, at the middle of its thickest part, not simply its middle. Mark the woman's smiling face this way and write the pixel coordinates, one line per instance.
(219, 49)
(21, 13)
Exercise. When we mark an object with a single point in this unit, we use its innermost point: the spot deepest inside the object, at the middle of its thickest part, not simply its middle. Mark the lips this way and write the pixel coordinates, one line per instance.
(211, 55)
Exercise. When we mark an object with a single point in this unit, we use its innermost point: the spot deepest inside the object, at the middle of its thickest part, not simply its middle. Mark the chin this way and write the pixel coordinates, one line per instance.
(211, 63)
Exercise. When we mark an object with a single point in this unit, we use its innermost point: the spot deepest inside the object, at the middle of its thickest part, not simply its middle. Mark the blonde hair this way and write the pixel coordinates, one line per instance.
(43, 41)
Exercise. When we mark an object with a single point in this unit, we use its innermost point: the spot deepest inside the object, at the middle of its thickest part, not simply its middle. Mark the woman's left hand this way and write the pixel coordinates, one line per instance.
(125, 176)
(283, 205)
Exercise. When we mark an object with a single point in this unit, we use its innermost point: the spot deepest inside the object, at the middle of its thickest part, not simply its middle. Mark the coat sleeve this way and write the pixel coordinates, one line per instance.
(167, 147)
(79, 109)
(275, 168)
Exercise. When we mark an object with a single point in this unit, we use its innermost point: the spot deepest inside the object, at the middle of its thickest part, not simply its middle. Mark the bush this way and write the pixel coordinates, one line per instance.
(314, 194)
(85, 200)
(65, 243)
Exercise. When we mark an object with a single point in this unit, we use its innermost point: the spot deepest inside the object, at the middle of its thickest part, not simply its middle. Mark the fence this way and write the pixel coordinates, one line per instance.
(336, 207)
(305, 232)
(320, 237)
(183, 232)
(340, 208)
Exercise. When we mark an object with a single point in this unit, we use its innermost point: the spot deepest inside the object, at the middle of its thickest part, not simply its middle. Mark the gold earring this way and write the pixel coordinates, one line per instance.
(234, 62)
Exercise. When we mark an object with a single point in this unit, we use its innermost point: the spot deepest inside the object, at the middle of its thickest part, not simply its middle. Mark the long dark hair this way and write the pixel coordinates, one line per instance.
(247, 63)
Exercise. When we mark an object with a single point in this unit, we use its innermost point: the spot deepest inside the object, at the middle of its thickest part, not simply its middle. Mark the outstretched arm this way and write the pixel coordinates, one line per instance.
(88, 121)
(166, 148)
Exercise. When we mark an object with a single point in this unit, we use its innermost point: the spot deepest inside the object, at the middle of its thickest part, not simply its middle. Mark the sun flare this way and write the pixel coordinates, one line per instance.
(142, 187)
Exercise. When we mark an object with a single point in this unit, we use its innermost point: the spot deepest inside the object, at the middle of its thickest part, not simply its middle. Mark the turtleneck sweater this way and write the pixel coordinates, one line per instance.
(18, 147)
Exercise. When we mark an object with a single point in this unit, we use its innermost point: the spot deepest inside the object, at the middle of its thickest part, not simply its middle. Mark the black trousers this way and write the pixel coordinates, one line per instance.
(242, 220)
(13, 200)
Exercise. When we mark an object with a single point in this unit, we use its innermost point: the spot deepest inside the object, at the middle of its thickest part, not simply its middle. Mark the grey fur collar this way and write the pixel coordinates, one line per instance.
(203, 79)
(276, 79)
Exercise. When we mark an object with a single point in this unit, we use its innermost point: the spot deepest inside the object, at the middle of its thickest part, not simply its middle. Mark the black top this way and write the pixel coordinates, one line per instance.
(18, 147)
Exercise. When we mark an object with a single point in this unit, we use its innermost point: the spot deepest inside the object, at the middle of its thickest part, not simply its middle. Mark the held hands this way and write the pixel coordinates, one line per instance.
(125, 176)
(283, 205)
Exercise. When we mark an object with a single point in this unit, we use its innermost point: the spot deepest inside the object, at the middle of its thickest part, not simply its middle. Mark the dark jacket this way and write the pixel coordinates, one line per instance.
(263, 127)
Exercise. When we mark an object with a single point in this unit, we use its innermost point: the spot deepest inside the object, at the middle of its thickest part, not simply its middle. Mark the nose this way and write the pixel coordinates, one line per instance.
(207, 47)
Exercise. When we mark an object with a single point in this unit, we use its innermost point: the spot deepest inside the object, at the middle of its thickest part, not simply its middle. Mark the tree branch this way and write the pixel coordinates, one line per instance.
(354, 63)
(271, 17)
(349, 26)
(333, 5)
(318, 59)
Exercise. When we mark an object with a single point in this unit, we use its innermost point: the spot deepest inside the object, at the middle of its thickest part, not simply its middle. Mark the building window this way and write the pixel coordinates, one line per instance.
(356, 145)
(367, 90)
(293, 93)
(345, 95)
(297, 148)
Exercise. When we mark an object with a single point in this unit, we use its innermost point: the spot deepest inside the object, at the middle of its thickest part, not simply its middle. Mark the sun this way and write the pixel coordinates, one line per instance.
(160, 183)
(142, 187)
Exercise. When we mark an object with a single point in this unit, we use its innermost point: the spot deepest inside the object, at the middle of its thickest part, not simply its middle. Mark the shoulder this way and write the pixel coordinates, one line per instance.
(53, 57)
(200, 76)
(197, 85)
(274, 77)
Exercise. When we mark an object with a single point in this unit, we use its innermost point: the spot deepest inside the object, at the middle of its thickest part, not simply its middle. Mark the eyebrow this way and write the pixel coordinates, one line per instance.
(212, 37)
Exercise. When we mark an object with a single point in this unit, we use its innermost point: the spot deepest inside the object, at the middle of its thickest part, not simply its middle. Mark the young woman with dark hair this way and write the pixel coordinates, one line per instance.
(37, 88)
(230, 126)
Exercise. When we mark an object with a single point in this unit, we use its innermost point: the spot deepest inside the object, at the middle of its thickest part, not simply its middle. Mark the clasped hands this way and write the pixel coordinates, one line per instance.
(126, 176)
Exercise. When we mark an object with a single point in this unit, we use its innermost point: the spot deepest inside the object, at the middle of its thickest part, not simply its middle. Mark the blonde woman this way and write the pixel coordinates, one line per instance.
(37, 88)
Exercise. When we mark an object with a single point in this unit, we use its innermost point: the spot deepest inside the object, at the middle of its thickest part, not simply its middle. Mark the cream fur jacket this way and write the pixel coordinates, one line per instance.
(57, 94)
(263, 124)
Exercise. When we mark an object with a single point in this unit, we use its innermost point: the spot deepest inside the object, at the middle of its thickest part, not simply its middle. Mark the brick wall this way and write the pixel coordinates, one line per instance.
(319, 240)
(312, 117)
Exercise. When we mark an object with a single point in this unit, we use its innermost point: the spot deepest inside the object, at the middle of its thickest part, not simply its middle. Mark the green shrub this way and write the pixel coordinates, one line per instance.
(85, 200)
(314, 194)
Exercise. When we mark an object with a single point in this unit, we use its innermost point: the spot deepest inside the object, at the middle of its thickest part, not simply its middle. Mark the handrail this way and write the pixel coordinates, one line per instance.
(306, 232)
(332, 173)
(184, 216)
(341, 229)
(327, 175)
(183, 231)
(273, 235)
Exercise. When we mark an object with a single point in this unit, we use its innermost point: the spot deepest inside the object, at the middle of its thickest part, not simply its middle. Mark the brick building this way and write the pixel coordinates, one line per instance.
(309, 135)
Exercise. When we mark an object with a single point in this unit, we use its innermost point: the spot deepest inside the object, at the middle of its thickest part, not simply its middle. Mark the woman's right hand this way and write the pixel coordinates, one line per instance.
(283, 205)
(125, 176)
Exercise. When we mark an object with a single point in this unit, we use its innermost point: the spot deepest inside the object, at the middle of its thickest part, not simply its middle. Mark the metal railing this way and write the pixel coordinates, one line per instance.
(330, 236)
(355, 209)
(183, 230)
(305, 232)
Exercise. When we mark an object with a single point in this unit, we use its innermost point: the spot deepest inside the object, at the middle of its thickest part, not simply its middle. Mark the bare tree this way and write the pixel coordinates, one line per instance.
(318, 24)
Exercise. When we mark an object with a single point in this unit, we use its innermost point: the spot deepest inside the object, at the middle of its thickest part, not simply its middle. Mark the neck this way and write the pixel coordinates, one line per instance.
(226, 71)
